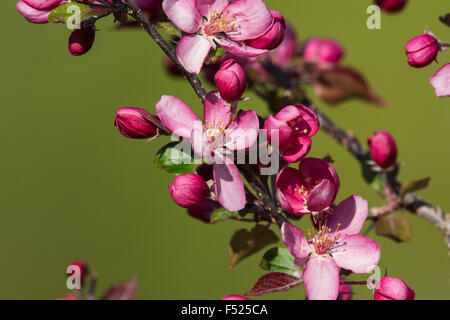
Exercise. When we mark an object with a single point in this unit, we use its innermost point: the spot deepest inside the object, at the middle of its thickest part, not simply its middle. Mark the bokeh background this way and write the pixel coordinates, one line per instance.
(72, 187)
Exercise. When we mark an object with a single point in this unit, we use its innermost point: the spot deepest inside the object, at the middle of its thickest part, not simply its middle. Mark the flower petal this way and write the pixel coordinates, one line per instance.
(351, 214)
(239, 49)
(31, 14)
(441, 81)
(176, 116)
(321, 196)
(285, 132)
(183, 14)
(295, 241)
(357, 253)
(206, 6)
(192, 51)
(253, 19)
(42, 4)
(317, 170)
(297, 148)
(243, 131)
(217, 111)
(287, 181)
(229, 186)
(321, 277)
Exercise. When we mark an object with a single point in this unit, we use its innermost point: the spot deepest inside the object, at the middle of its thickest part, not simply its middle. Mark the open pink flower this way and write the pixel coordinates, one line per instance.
(296, 125)
(208, 23)
(312, 188)
(337, 244)
(214, 140)
(441, 81)
(390, 288)
(37, 11)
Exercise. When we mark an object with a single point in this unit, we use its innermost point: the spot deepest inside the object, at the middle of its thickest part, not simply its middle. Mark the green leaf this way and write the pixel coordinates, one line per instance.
(174, 161)
(279, 260)
(245, 243)
(170, 28)
(65, 11)
(222, 215)
(412, 186)
(374, 178)
(397, 228)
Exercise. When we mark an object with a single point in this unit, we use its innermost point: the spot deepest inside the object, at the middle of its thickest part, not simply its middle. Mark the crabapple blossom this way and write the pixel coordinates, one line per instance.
(296, 125)
(337, 244)
(132, 124)
(81, 40)
(393, 289)
(383, 149)
(310, 189)
(209, 23)
(326, 53)
(422, 50)
(391, 5)
(189, 190)
(441, 81)
(285, 52)
(230, 80)
(37, 11)
(219, 136)
(274, 36)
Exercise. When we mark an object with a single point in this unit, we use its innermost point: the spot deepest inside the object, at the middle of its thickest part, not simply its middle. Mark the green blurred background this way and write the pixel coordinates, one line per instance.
(72, 187)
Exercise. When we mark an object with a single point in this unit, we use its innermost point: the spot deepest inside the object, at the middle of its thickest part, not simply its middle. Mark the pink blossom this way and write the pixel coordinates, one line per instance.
(326, 53)
(36, 11)
(422, 50)
(189, 190)
(441, 81)
(214, 140)
(42, 4)
(234, 297)
(131, 123)
(391, 5)
(230, 80)
(296, 125)
(208, 23)
(285, 52)
(393, 289)
(383, 149)
(68, 297)
(337, 244)
(310, 189)
(274, 36)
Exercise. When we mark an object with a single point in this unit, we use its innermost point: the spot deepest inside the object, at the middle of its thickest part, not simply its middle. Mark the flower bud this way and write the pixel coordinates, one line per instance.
(81, 40)
(188, 190)
(422, 50)
(132, 124)
(84, 271)
(393, 289)
(391, 5)
(230, 80)
(326, 53)
(32, 14)
(272, 38)
(383, 149)
(234, 297)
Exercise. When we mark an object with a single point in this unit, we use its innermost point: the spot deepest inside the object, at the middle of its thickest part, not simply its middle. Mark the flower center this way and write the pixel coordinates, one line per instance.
(306, 187)
(325, 240)
(298, 125)
(219, 22)
(214, 130)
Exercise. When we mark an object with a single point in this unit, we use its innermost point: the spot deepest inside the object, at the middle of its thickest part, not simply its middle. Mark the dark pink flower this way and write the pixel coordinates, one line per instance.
(132, 124)
(36, 11)
(234, 297)
(441, 81)
(295, 125)
(326, 53)
(383, 149)
(230, 80)
(208, 23)
(274, 36)
(391, 5)
(81, 40)
(312, 188)
(285, 52)
(422, 50)
(393, 289)
(188, 190)
(337, 244)
(214, 140)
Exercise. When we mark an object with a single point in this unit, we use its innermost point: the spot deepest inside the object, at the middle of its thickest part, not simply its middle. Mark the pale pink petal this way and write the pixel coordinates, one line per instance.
(192, 51)
(441, 81)
(176, 116)
(357, 253)
(295, 241)
(321, 277)
(217, 111)
(183, 14)
(253, 19)
(243, 131)
(31, 14)
(321, 196)
(350, 214)
(239, 49)
(199, 143)
(229, 186)
(206, 6)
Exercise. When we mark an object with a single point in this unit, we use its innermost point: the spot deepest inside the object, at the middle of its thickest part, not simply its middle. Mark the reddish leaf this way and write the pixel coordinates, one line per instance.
(342, 83)
(445, 19)
(122, 291)
(274, 282)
